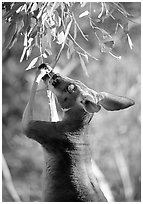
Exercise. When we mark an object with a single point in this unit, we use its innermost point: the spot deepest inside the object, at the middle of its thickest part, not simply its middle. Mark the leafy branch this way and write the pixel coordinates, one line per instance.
(45, 24)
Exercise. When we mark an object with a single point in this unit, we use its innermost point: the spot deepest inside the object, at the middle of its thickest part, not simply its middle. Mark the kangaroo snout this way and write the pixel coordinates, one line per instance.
(55, 80)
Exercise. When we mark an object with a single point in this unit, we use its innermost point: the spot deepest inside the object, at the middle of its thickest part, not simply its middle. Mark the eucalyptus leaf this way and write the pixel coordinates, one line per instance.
(32, 63)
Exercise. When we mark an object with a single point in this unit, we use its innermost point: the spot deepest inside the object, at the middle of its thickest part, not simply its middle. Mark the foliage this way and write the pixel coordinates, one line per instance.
(43, 24)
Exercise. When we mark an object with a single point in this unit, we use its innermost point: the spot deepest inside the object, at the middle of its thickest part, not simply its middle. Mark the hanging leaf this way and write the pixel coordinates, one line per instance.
(37, 40)
(60, 21)
(23, 54)
(25, 40)
(53, 33)
(85, 13)
(60, 37)
(68, 53)
(13, 41)
(44, 42)
(68, 29)
(130, 42)
(48, 52)
(40, 13)
(33, 23)
(13, 9)
(20, 25)
(86, 57)
(44, 55)
(102, 10)
(66, 33)
(117, 57)
(120, 8)
(32, 63)
(34, 7)
(49, 36)
(70, 49)
(9, 35)
(33, 33)
(21, 8)
(83, 65)
(44, 18)
(75, 31)
(28, 53)
(27, 21)
(57, 19)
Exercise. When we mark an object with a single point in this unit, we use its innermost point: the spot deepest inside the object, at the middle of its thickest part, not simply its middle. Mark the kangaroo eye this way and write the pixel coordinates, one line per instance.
(71, 88)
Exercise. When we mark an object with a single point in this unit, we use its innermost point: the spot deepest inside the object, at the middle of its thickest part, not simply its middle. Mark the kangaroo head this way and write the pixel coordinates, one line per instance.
(71, 93)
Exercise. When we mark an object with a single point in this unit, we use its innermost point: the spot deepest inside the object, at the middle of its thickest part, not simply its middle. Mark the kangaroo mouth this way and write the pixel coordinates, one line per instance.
(52, 78)
(55, 80)
(48, 76)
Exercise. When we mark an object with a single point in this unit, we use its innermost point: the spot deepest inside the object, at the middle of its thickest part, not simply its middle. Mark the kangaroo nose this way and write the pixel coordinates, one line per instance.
(54, 76)
(55, 80)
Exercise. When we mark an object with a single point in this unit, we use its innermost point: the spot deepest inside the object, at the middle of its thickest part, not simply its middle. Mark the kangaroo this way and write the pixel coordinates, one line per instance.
(68, 175)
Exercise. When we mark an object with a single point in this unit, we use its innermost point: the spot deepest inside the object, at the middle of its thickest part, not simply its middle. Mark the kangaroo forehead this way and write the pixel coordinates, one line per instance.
(70, 81)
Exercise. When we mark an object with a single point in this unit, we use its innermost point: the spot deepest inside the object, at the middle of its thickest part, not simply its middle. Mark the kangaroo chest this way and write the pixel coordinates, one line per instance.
(65, 178)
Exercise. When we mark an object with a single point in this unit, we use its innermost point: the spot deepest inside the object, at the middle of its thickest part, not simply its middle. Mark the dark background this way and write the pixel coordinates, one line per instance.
(114, 136)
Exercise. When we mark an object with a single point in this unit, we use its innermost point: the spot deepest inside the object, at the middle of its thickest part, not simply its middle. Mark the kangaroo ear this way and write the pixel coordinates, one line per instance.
(89, 104)
(91, 107)
(111, 102)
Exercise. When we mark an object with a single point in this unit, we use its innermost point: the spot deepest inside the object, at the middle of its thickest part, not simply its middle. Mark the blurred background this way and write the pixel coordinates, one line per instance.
(115, 137)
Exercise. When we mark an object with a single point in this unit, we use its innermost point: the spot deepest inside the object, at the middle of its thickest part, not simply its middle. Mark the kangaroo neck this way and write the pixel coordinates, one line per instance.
(76, 125)
(76, 119)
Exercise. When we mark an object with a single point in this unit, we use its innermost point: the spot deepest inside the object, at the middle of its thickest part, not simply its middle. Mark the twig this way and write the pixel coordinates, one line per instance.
(8, 181)
(102, 10)
(84, 36)
(81, 47)
(62, 47)
(41, 53)
(120, 9)
(80, 53)
(106, 9)
(117, 57)
(97, 37)
(56, 58)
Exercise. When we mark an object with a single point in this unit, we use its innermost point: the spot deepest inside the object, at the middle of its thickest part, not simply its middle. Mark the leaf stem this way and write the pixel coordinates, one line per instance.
(84, 36)
(62, 47)
(81, 47)
(41, 53)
